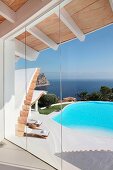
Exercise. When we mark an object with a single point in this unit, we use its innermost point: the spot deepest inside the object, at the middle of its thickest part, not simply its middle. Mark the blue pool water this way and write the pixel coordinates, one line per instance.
(87, 114)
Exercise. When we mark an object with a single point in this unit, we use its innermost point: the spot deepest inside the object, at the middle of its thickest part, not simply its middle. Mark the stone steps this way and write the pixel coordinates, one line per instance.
(22, 119)
(25, 107)
(27, 102)
(24, 113)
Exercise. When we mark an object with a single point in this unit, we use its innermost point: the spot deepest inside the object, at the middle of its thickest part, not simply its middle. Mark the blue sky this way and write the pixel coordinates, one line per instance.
(91, 59)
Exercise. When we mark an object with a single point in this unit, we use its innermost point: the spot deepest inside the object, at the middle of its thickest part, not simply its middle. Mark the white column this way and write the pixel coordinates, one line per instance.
(1, 92)
(36, 106)
(9, 87)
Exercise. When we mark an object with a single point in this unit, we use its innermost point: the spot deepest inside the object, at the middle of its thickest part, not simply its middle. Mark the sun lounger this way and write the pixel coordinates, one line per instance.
(38, 123)
(38, 133)
(34, 126)
(33, 123)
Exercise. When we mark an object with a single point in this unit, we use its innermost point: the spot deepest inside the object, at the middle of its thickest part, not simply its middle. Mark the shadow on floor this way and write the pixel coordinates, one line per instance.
(89, 160)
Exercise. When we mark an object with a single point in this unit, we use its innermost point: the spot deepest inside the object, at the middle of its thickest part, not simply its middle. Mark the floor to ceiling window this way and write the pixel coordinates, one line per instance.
(57, 88)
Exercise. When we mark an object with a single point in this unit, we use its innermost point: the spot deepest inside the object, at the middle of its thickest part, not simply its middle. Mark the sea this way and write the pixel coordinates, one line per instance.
(67, 88)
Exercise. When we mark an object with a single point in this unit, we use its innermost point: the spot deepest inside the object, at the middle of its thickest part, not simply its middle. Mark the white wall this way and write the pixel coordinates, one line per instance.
(22, 80)
(9, 100)
(9, 94)
(1, 93)
(14, 92)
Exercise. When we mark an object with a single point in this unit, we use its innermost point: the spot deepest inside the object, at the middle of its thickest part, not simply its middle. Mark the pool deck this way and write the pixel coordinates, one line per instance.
(82, 139)
(52, 145)
(73, 141)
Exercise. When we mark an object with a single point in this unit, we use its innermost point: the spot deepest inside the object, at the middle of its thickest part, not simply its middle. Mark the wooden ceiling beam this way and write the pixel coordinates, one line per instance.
(7, 12)
(111, 4)
(36, 11)
(55, 8)
(43, 37)
(70, 23)
(26, 14)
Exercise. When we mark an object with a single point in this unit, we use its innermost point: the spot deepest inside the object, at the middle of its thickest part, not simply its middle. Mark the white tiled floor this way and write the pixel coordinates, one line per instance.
(10, 154)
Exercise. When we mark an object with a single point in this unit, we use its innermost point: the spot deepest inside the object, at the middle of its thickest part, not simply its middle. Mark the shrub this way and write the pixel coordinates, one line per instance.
(95, 96)
(83, 95)
(47, 100)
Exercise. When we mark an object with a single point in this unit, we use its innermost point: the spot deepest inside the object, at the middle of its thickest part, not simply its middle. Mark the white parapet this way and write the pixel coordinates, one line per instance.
(23, 79)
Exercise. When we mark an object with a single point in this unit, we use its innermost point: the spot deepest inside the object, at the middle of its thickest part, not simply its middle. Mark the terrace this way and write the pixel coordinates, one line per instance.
(27, 29)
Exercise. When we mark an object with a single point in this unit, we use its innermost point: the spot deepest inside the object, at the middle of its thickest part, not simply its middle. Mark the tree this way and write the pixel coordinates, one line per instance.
(47, 100)
(106, 93)
(105, 90)
(112, 90)
(95, 96)
(111, 97)
(83, 95)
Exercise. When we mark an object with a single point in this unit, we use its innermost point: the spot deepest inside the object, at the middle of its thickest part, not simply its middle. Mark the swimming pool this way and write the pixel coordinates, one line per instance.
(87, 114)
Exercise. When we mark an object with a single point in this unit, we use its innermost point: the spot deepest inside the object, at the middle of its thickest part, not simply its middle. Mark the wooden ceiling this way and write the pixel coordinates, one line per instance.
(89, 15)
(31, 41)
(14, 5)
(55, 29)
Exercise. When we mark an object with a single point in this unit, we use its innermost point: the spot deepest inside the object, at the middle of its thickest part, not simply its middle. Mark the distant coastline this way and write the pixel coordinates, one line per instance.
(73, 87)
